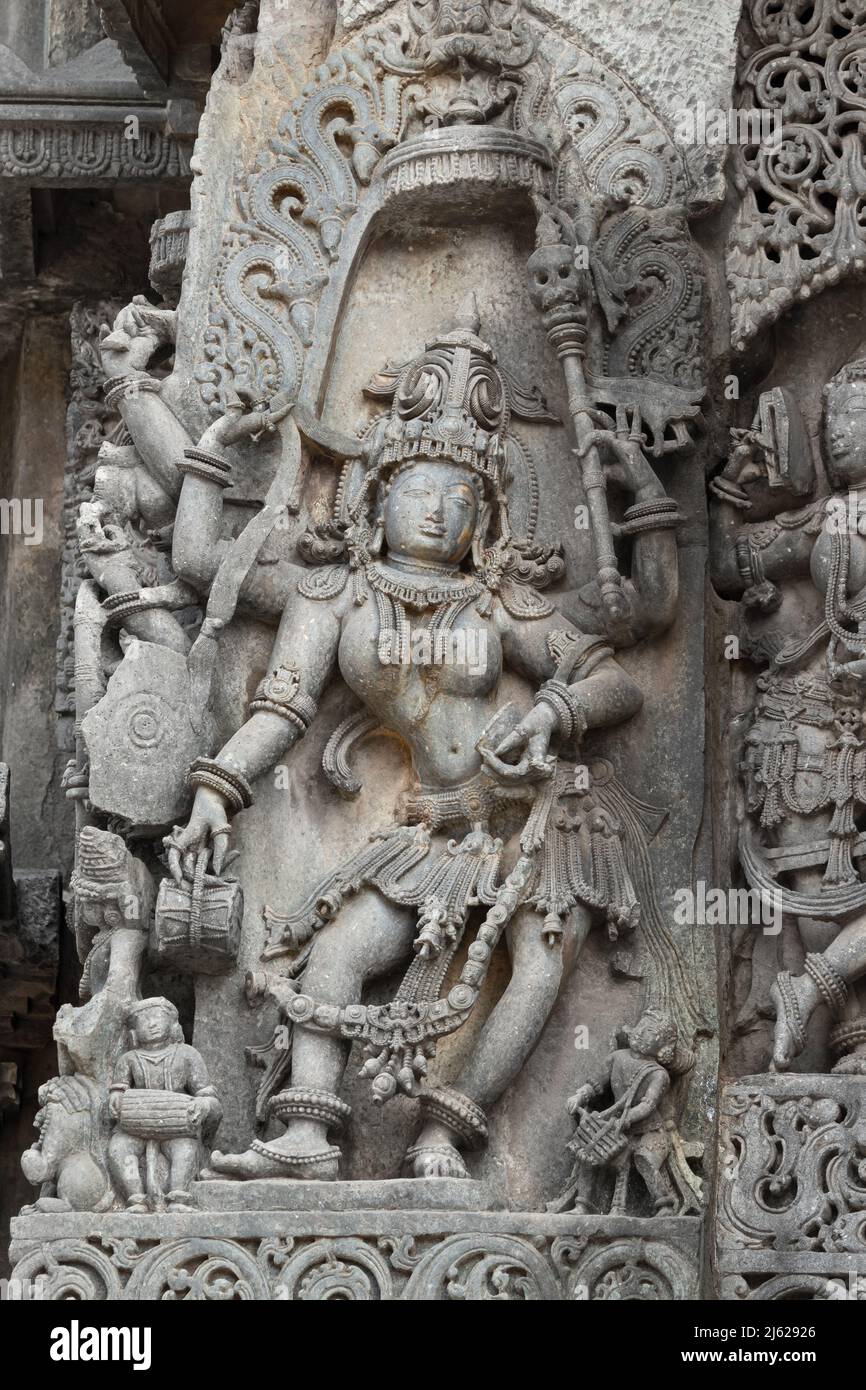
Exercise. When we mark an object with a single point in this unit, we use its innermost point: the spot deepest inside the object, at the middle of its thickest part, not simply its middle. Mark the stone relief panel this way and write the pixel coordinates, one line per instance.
(798, 747)
(785, 536)
(378, 736)
(481, 1265)
(784, 532)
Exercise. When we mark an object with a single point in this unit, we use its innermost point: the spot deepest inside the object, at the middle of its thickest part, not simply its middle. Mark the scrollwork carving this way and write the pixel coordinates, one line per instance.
(799, 225)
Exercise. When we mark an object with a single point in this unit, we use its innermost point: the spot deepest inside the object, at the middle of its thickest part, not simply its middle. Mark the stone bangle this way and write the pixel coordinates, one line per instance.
(749, 561)
(457, 1111)
(230, 784)
(118, 388)
(567, 707)
(657, 514)
(831, 985)
(651, 507)
(203, 464)
(300, 710)
(307, 1103)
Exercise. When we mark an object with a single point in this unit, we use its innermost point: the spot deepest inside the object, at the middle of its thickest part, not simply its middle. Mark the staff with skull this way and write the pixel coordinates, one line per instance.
(562, 289)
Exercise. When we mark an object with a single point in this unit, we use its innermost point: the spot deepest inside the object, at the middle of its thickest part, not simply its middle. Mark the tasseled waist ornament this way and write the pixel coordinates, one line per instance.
(782, 778)
(578, 846)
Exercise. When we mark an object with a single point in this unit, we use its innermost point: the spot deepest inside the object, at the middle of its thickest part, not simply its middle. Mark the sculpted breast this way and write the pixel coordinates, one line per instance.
(464, 661)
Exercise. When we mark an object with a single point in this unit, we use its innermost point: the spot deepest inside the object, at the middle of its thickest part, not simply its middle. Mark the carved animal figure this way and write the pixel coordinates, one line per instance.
(67, 1161)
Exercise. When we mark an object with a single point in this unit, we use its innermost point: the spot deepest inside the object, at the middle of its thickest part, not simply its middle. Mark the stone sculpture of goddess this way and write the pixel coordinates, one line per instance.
(426, 544)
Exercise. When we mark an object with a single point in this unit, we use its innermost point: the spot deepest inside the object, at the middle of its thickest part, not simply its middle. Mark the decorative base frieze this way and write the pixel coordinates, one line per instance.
(362, 1256)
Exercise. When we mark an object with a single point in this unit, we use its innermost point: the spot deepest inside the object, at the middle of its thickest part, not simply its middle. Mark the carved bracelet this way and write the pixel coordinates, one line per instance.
(278, 694)
(566, 705)
(203, 464)
(656, 514)
(831, 985)
(118, 388)
(229, 783)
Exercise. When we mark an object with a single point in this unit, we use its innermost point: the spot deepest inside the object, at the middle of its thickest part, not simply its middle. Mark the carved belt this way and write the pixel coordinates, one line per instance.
(468, 803)
(817, 703)
(475, 800)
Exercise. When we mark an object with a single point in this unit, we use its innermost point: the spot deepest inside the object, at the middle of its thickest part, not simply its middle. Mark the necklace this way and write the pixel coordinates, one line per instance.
(406, 565)
(448, 597)
(446, 588)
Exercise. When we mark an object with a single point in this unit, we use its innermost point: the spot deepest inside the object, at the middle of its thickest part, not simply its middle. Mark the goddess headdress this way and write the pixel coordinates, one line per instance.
(453, 403)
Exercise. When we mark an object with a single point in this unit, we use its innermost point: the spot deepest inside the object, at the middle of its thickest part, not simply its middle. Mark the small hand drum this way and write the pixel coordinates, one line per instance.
(197, 926)
(159, 1115)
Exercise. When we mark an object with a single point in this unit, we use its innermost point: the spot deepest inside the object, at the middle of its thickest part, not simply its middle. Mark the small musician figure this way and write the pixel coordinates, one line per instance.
(146, 1101)
(638, 1130)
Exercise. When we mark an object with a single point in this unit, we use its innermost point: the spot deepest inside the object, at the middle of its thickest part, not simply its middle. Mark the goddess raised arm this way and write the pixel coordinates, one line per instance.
(191, 475)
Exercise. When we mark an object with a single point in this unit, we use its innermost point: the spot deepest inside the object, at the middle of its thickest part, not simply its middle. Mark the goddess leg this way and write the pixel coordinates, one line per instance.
(369, 937)
(508, 1036)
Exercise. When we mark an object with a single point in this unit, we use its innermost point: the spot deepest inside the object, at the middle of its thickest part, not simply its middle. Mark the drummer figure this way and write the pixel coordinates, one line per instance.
(639, 1077)
(163, 1065)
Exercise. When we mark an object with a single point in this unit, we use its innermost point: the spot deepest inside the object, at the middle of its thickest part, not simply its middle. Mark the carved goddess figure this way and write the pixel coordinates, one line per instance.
(802, 575)
(429, 601)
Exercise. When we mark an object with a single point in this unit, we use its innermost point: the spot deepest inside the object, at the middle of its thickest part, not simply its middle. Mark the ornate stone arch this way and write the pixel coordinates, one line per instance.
(367, 144)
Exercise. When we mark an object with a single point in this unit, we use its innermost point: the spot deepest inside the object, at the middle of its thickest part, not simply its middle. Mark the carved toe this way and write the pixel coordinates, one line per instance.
(441, 1161)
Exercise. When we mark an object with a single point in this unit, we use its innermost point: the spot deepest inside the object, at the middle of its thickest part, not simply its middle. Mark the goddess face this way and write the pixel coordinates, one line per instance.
(845, 433)
(431, 513)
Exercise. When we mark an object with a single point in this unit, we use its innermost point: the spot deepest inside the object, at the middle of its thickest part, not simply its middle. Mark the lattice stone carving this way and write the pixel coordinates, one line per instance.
(791, 1214)
(800, 222)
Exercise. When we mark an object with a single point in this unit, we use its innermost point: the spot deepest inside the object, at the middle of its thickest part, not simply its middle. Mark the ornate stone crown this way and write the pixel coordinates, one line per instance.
(450, 403)
(853, 377)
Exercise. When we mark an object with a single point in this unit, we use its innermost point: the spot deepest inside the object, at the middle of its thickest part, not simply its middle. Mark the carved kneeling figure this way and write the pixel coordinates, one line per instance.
(163, 1106)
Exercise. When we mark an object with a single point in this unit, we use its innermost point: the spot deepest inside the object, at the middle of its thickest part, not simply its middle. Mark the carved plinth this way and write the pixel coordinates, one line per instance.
(365, 1256)
(791, 1206)
(400, 1194)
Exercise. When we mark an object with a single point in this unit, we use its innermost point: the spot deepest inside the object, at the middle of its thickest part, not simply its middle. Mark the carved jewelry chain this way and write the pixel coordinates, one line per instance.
(448, 600)
(836, 604)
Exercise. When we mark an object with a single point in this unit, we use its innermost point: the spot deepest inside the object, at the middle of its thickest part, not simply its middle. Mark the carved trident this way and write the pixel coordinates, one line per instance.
(563, 291)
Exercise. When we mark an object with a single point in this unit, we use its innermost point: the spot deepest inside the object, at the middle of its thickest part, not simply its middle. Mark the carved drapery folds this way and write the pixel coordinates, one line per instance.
(799, 225)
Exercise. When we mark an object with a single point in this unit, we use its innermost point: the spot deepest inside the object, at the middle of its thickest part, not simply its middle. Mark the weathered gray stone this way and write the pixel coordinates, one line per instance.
(796, 128)
(262, 562)
(366, 1257)
(790, 1214)
(413, 754)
